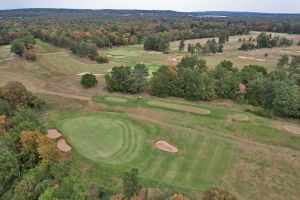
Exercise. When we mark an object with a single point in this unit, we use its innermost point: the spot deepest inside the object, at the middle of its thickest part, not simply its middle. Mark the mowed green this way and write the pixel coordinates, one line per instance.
(122, 143)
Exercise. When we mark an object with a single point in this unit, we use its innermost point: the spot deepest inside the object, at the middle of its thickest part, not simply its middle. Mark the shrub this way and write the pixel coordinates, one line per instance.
(88, 80)
(102, 59)
(30, 55)
(5, 108)
(215, 193)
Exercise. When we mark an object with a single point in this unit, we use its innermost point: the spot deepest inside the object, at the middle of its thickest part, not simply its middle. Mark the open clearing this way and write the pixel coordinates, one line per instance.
(179, 107)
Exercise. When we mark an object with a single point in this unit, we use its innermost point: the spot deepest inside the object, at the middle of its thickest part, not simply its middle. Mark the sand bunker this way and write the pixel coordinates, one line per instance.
(250, 58)
(63, 146)
(239, 117)
(179, 107)
(165, 146)
(292, 129)
(53, 134)
(84, 73)
(116, 99)
(285, 51)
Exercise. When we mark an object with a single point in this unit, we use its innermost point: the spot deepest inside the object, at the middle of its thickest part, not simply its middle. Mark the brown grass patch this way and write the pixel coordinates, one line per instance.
(165, 146)
(63, 146)
(179, 107)
(292, 129)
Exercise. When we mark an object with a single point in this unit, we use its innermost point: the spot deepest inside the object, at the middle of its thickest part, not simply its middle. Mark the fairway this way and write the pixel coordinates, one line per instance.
(113, 138)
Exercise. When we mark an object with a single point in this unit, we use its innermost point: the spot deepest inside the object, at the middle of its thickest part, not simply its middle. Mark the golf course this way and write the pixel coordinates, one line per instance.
(177, 145)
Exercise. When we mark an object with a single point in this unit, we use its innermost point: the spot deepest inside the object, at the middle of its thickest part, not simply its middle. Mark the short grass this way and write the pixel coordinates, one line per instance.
(115, 139)
(240, 156)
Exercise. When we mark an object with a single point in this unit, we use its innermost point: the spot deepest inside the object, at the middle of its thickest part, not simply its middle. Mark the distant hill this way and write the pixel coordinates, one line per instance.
(50, 11)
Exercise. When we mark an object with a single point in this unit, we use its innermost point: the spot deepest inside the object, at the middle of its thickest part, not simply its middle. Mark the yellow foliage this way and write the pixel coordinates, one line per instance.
(178, 197)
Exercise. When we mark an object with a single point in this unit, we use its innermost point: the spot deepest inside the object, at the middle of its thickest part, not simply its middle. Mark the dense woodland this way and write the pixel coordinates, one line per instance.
(89, 28)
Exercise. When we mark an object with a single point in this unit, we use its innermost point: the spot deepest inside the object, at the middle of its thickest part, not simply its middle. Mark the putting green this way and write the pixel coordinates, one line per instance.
(104, 137)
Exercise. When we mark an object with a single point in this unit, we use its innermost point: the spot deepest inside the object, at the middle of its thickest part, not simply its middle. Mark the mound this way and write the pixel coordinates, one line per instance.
(53, 134)
(116, 99)
(111, 138)
(165, 146)
(292, 129)
(84, 73)
(63, 146)
(179, 107)
(239, 117)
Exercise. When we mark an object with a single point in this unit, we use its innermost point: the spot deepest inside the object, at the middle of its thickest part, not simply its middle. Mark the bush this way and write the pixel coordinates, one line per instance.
(30, 55)
(215, 193)
(102, 59)
(88, 80)
(5, 108)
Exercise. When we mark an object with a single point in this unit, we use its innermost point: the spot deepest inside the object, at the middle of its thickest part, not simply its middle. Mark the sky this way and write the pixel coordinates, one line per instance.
(270, 6)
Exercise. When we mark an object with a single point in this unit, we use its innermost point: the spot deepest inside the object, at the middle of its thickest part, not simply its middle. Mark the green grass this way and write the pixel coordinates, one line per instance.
(120, 143)
(256, 128)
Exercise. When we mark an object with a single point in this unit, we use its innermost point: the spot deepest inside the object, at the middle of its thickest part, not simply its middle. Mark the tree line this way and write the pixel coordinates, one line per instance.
(30, 167)
(276, 91)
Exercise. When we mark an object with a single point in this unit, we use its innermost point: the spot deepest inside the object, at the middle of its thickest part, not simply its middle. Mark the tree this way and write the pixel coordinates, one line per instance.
(191, 49)
(26, 119)
(138, 79)
(286, 101)
(48, 194)
(17, 47)
(16, 94)
(30, 55)
(215, 193)
(102, 59)
(118, 79)
(117, 197)
(157, 43)
(89, 80)
(9, 169)
(251, 72)
(5, 108)
(29, 41)
(283, 61)
(263, 40)
(47, 150)
(131, 183)
(160, 84)
(92, 51)
(178, 196)
(295, 63)
(181, 46)
(193, 62)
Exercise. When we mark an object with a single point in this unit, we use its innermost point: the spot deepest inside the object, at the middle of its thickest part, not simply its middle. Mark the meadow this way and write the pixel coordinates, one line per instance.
(219, 143)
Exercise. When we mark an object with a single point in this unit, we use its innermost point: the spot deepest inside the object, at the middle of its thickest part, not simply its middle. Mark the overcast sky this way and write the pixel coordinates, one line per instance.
(277, 6)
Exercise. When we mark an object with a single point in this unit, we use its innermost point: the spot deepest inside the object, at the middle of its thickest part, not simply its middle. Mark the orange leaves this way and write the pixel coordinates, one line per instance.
(30, 54)
(41, 144)
(178, 196)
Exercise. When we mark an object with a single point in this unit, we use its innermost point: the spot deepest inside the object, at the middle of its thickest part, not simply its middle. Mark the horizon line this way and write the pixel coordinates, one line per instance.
(136, 9)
